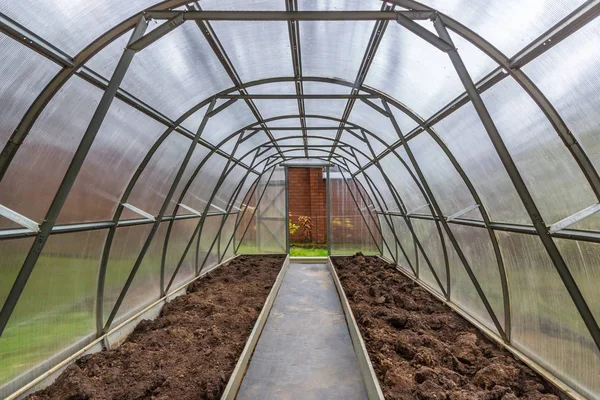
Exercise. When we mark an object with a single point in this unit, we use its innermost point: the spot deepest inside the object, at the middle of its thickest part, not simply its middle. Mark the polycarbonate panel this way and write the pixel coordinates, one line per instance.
(271, 228)
(173, 74)
(154, 183)
(552, 175)
(413, 72)
(208, 248)
(430, 241)
(333, 108)
(125, 249)
(476, 61)
(74, 24)
(464, 135)
(575, 63)
(203, 185)
(405, 123)
(349, 232)
(181, 234)
(527, 20)
(56, 309)
(463, 292)
(42, 160)
(228, 122)
(226, 233)
(23, 75)
(248, 146)
(545, 323)
(583, 259)
(257, 49)
(373, 121)
(246, 5)
(449, 190)
(476, 246)
(124, 138)
(385, 198)
(269, 108)
(336, 5)
(12, 255)
(192, 123)
(334, 49)
(407, 248)
(406, 187)
(389, 247)
(294, 153)
(196, 161)
(223, 197)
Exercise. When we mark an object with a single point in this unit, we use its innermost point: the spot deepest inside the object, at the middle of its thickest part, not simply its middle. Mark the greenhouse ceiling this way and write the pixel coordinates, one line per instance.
(473, 128)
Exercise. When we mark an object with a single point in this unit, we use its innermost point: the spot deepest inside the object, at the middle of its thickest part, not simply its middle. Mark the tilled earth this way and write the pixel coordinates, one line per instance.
(421, 349)
(189, 351)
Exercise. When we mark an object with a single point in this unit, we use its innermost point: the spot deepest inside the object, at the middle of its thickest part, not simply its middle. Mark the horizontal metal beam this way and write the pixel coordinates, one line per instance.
(573, 234)
(571, 23)
(92, 226)
(276, 15)
(323, 96)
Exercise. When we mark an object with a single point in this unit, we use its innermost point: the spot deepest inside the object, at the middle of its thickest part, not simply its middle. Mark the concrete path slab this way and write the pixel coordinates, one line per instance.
(304, 351)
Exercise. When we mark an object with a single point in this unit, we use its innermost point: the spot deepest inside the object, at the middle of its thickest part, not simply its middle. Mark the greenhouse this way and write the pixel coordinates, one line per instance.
(161, 160)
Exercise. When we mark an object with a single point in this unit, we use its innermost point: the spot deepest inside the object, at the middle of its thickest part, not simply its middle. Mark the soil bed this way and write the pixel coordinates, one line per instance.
(189, 351)
(421, 349)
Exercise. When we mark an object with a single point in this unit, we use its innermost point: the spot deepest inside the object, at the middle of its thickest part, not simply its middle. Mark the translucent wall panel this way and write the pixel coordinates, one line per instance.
(23, 75)
(208, 252)
(546, 325)
(413, 72)
(249, 5)
(12, 255)
(275, 107)
(226, 123)
(145, 288)
(181, 234)
(407, 250)
(574, 62)
(373, 121)
(56, 308)
(196, 162)
(334, 5)
(124, 138)
(75, 24)
(477, 248)
(155, 181)
(449, 190)
(246, 45)
(464, 135)
(226, 233)
(489, 19)
(463, 292)
(349, 233)
(430, 241)
(334, 49)
(404, 184)
(552, 175)
(271, 216)
(245, 234)
(389, 251)
(204, 184)
(226, 192)
(192, 72)
(583, 259)
(41, 161)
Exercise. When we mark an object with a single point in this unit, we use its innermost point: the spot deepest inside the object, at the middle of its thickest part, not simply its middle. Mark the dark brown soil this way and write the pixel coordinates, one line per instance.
(421, 349)
(189, 351)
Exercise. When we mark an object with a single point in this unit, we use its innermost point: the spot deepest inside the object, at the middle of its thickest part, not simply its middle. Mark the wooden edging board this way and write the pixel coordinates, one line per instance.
(235, 381)
(364, 362)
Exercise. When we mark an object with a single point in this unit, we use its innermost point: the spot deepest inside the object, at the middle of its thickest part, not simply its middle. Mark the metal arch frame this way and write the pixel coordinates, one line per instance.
(545, 108)
(522, 189)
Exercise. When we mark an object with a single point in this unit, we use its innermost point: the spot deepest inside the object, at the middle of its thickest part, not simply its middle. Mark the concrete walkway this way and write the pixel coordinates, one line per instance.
(304, 351)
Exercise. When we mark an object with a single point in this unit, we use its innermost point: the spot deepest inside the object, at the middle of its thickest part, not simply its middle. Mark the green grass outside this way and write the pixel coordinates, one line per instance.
(308, 252)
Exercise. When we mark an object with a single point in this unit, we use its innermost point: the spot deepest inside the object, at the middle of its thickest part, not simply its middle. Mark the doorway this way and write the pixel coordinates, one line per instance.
(308, 211)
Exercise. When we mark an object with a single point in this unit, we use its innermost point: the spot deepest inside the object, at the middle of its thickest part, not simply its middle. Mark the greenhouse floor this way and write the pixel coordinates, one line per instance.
(304, 351)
